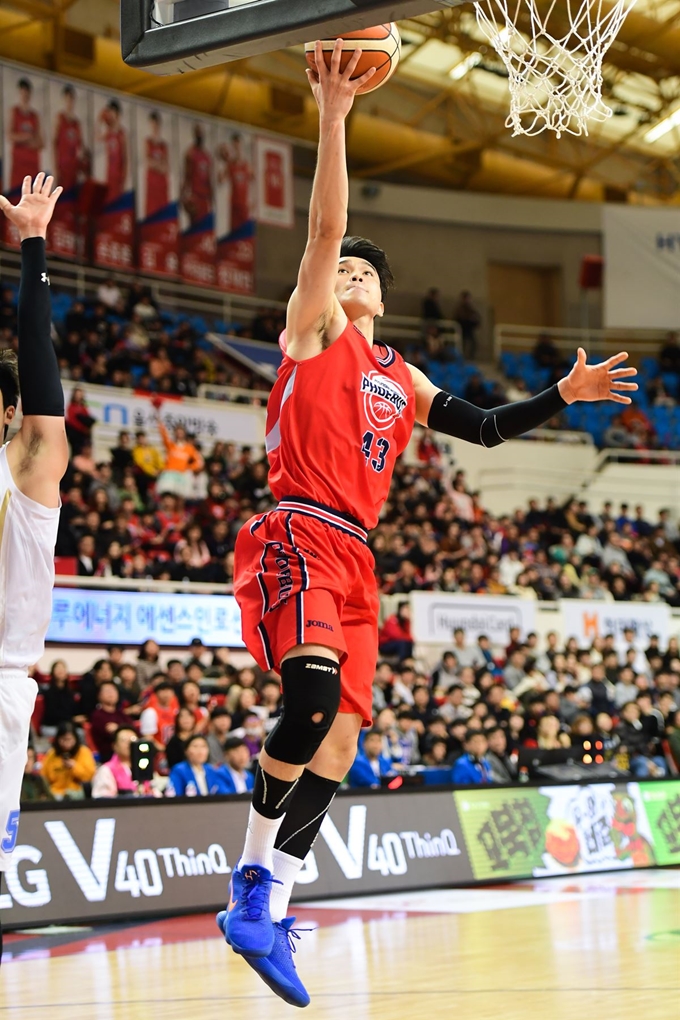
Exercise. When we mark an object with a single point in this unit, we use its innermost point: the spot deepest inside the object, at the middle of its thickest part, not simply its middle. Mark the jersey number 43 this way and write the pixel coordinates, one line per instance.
(375, 450)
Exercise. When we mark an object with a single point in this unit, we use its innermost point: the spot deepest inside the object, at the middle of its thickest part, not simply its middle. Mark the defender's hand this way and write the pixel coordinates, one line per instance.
(34, 211)
(333, 89)
(597, 382)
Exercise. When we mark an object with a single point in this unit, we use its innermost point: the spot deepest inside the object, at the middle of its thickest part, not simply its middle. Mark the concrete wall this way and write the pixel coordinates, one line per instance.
(447, 239)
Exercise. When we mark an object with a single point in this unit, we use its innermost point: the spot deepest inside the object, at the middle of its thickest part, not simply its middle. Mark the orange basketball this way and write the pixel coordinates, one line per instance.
(380, 48)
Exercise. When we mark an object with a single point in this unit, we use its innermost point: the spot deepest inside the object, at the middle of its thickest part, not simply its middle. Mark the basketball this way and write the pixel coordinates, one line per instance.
(380, 46)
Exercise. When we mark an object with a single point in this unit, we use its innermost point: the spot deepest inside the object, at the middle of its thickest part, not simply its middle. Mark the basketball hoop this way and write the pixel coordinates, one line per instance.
(554, 71)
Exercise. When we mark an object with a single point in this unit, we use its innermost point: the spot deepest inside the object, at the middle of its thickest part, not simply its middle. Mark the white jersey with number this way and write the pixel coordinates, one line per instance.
(28, 535)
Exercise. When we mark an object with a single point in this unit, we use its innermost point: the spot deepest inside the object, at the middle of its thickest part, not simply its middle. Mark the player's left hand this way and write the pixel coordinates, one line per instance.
(598, 382)
(35, 208)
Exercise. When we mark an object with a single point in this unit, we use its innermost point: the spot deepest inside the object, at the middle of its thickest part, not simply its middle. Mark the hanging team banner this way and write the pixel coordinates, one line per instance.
(585, 620)
(25, 126)
(71, 163)
(197, 247)
(274, 176)
(642, 267)
(114, 227)
(157, 190)
(234, 213)
(435, 616)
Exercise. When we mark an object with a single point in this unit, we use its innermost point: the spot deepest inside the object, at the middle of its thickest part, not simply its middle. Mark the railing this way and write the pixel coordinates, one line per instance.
(522, 339)
(643, 457)
(82, 280)
(141, 584)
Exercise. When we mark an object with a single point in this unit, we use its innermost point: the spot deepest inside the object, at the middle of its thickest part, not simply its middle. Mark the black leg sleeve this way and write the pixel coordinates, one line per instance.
(39, 381)
(458, 418)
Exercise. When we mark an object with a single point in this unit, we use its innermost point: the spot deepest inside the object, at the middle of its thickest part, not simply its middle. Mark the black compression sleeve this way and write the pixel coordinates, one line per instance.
(41, 390)
(458, 418)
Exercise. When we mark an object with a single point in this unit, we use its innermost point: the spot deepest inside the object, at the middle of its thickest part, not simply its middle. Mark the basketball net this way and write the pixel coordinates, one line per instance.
(555, 72)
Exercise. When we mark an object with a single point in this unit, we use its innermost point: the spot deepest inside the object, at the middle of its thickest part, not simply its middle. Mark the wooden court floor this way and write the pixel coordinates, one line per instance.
(599, 945)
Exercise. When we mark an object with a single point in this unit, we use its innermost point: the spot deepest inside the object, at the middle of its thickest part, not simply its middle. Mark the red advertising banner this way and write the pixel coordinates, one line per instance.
(274, 177)
(24, 104)
(71, 164)
(234, 209)
(114, 227)
(157, 191)
(197, 248)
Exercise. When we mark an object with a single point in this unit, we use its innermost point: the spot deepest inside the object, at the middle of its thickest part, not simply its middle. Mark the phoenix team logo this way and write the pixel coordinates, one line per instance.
(384, 400)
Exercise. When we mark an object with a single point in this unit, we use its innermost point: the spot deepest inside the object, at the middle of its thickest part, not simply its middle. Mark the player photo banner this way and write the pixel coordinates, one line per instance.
(562, 830)
(234, 211)
(157, 190)
(25, 128)
(435, 615)
(197, 248)
(115, 200)
(72, 143)
(274, 176)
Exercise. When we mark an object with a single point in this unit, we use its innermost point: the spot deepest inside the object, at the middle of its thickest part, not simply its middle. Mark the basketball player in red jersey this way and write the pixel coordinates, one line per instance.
(157, 167)
(68, 142)
(341, 412)
(25, 134)
(239, 172)
(112, 134)
(197, 188)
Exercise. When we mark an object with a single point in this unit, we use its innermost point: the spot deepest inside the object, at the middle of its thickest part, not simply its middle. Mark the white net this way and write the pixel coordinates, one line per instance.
(553, 53)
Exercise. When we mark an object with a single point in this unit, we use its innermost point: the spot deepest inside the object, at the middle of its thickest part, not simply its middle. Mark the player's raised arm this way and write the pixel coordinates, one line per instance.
(313, 310)
(452, 416)
(38, 454)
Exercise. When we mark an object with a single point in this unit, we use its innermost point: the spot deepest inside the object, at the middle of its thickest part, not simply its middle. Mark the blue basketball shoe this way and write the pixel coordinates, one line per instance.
(277, 970)
(247, 923)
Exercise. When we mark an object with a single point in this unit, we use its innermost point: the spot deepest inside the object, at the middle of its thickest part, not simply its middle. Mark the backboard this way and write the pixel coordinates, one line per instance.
(176, 36)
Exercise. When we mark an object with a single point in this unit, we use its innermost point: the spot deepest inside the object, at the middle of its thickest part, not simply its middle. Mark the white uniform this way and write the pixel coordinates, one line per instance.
(28, 535)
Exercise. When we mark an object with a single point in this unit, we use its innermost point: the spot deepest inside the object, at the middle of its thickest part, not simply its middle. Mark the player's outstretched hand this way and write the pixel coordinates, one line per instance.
(598, 382)
(334, 90)
(35, 208)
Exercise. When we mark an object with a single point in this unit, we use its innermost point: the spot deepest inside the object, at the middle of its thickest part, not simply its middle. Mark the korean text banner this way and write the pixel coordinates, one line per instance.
(205, 419)
(642, 267)
(558, 830)
(90, 616)
(585, 620)
(435, 615)
(133, 858)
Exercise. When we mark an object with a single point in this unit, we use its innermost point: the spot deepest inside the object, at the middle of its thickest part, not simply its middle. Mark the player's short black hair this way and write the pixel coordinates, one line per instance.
(24, 83)
(362, 248)
(155, 116)
(113, 104)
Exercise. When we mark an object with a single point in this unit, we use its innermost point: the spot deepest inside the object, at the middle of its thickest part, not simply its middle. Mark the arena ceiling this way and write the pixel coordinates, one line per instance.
(440, 121)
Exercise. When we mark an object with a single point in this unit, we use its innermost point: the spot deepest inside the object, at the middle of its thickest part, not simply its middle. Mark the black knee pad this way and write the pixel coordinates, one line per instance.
(311, 686)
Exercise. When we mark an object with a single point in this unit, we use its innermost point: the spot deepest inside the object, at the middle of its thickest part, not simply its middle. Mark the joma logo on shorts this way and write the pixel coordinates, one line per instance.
(319, 623)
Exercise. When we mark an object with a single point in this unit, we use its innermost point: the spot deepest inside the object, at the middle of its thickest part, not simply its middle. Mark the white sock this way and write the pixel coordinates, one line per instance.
(260, 838)
(286, 870)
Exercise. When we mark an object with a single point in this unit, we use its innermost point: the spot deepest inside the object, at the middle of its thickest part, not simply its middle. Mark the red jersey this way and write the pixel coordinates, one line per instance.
(25, 157)
(336, 424)
(157, 194)
(199, 177)
(274, 180)
(115, 163)
(68, 144)
(239, 176)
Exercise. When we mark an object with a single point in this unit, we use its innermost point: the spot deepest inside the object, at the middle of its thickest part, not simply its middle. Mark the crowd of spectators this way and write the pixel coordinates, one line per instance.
(468, 718)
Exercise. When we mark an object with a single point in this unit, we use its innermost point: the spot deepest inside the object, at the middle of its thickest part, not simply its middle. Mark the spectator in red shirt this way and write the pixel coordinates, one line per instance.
(106, 719)
(395, 634)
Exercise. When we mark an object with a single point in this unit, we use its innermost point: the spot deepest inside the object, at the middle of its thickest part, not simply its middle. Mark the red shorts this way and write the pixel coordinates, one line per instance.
(304, 575)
